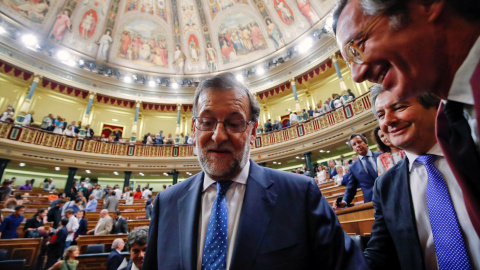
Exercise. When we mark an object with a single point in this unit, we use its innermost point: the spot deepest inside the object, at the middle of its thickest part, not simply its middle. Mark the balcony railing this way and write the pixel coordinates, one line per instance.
(48, 139)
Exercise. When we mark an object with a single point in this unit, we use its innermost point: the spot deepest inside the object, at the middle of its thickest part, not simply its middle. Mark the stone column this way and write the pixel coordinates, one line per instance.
(86, 116)
(70, 181)
(343, 86)
(179, 114)
(295, 96)
(134, 127)
(308, 160)
(25, 108)
(3, 166)
(126, 181)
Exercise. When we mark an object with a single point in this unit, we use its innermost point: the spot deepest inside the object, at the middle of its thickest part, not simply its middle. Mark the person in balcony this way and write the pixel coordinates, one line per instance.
(7, 116)
(28, 121)
(293, 118)
(47, 122)
(69, 132)
(169, 138)
(59, 125)
(89, 132)
(150, 140)
(304, 115)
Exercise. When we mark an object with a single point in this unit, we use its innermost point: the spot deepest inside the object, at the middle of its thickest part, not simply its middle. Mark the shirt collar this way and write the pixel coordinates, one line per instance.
(369, 154)
(461, 90)
(435, 150)
(134, 267)
(241, 178)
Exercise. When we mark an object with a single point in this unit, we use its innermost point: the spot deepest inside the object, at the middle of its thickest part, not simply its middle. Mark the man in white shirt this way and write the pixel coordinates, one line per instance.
(98, 192)
(236, 214)
(293, 118)
(406, 231)
(146, 192)
(118, 192)
(414, 46)
(72, 226)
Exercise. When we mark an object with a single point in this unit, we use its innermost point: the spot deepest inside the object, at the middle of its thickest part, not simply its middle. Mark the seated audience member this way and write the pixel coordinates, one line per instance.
(61, 196)
(332, 171)
(391, 154)
(149, 210)
(138, 194)
(55, 213)
(35, 223)
(98, 192)
(346, 166)
(111, 203)
(72, 226)
(137, 245)
(362, 173)
(68, 262)
(115, 259)
(338, 178)
(69, 131)
(9, 205)
(321, 174)
(20, 198)
(119, 223)
(9, 225)
(436, 231)
(83, 224)
(56, 247)
(27, 186)
(83, 198)
(5, 190)
(48, 186)
(104, 224)
(92, 204)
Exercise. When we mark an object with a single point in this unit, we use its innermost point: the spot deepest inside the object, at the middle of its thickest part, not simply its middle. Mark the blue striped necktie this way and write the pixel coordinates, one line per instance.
(447, 236)
(215, 248)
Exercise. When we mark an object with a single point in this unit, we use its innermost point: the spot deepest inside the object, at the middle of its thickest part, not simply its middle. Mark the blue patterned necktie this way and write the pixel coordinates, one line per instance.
(371, 171)
(215, 248)
(447, 236)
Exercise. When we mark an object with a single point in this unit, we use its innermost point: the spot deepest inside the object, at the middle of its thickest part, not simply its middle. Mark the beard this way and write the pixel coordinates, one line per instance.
(219, 169)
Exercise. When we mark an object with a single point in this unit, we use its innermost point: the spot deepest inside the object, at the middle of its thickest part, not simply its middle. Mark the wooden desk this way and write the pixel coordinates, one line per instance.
(95, 216)
(23, 248)
(84, 240)
(357, 212)
(358, 227)
(132, 224)
(95, 262)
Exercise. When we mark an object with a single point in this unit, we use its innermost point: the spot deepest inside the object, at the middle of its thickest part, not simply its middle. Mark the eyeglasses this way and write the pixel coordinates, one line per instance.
(352, 50)
(231, 125)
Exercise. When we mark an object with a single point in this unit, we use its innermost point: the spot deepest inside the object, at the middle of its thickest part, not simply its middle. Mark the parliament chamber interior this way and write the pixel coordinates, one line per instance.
(97, 100)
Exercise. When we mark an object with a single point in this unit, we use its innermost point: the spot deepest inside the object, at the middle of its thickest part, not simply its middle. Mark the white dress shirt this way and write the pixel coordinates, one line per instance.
(461, 90)
(118, 193)
(418, 189)
(72, 225)
(234, 196)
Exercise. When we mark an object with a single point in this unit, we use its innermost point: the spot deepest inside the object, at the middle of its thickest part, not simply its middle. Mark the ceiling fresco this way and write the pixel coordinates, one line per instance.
(169, 36)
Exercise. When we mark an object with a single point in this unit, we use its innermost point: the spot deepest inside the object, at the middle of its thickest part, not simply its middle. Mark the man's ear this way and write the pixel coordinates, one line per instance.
(253, 134)
(433, 10)
(194, 132)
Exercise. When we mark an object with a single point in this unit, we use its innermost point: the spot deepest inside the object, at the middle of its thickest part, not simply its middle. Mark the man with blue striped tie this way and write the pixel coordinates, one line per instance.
(421, 221)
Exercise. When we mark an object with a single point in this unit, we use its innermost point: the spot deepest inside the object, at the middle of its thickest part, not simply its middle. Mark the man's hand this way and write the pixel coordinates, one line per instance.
(339, 205)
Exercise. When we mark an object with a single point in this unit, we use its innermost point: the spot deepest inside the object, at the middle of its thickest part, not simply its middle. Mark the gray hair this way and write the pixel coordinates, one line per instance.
(397, 10)
(117, 242)
(355, 135)
(427, 100)
(226, 81)
(138, 236)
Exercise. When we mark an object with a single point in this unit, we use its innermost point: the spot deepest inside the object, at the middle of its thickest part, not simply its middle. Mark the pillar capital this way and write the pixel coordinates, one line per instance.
(292, 81)
(179, 106)
(138, 103)
(37, 77)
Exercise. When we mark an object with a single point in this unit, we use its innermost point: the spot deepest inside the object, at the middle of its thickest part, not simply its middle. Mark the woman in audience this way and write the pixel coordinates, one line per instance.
(346, 166)
(127, 196)
(58, 125)
(69, 131)
(68, 262)
(391, 154)
(339, 176)
(150, 139)
(35, 223)
(20, 199)
(169, 138)
(9, 205)
(138, 194)
(321, 174)
(84, 200)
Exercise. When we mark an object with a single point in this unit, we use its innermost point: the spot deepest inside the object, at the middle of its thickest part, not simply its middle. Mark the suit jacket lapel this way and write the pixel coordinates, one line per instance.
(188, 217)
(257, 208)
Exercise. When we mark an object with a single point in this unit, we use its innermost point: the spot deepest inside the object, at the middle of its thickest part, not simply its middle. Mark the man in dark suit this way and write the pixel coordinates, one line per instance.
(119, 223)
(55, 248)
(268, 126)
(55, 213)
(137, 245)
(83, 224)
(115, 259)
(407, 234)
(416, 46)
(362, 173)
(274, 219)
(332, 171)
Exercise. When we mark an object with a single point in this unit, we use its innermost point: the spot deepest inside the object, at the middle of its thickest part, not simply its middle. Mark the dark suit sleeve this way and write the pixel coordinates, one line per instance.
(124, 226)
(380, 252)
(351, 189)
(331, 247)
(346, 179)
(151, 254)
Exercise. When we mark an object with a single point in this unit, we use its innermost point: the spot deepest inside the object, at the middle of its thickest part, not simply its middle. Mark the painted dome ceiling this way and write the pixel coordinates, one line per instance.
(169, 36)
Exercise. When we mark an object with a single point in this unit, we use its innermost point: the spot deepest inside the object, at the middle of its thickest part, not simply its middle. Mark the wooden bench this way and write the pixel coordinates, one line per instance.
(357, 198)
(357, 212)
(22, 225)
(84, 240)
(23, 248)
(328, 184)
(358, 227)
(95, 216)
(132, 224)
(96, 261)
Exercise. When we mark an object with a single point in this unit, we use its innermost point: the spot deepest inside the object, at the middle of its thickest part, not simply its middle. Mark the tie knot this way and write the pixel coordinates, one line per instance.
(365, 158)
(426, 159)
(223, 186)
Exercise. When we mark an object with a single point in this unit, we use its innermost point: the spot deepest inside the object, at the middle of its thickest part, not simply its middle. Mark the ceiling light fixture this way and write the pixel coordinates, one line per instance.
(174, 85)
(151, 83)
(29, 40)
(2, 30)
(57, 168)
(88, 171)
(22, 164)
(116, 173)
(305, 45)
(321, 151)
(141, 174)
(239, 77)
(127, 79)
(63, 55)
(260, 71)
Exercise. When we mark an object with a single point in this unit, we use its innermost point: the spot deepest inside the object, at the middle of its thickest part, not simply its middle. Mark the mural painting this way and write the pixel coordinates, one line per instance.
(104, 46)
(284, 12)
(153, 7)
(211, 55)
(62, 23)
(143, 43)
(307, 11)
(193, 48)
(179, 60)
(215, 6)
(274, 33)
(88, 24)
(34, 10)
(239, 36)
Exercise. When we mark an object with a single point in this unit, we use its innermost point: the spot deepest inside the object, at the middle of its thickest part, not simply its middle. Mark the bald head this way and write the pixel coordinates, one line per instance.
(103, 213)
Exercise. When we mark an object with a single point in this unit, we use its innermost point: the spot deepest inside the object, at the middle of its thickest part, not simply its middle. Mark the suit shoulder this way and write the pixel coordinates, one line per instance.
(391, 176)
(287, 177)
(179, 189)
